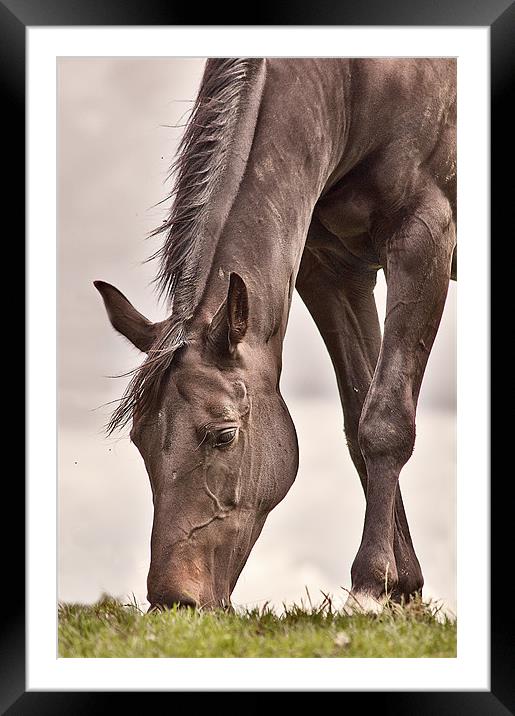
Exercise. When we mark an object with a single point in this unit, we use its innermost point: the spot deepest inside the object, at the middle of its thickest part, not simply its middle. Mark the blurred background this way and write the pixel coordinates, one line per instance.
(115, 144)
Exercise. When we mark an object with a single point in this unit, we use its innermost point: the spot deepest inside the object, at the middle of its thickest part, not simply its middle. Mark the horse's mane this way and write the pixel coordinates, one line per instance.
(196, 172)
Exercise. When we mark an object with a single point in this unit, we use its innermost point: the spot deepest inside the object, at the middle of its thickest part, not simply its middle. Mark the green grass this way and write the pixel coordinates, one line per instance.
(112, 629)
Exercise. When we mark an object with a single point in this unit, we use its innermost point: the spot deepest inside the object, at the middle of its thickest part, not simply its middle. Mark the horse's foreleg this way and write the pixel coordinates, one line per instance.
(418, 262)
(341, 302)
(342, 305)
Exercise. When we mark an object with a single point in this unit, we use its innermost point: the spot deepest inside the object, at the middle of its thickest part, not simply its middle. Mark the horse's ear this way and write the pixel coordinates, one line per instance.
(125, 318)
(230, 322)
(237, 310)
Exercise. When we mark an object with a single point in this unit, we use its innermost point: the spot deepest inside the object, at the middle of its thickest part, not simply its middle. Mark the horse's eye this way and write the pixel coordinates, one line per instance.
(224, 437)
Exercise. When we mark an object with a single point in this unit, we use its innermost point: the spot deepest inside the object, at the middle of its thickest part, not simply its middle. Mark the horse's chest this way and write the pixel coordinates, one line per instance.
(346, 213)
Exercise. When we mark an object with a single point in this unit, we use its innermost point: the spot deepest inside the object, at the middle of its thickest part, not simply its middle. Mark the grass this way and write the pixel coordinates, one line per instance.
(110, 628)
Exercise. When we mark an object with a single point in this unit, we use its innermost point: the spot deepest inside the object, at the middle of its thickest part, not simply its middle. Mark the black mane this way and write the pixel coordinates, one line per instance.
(196, 172)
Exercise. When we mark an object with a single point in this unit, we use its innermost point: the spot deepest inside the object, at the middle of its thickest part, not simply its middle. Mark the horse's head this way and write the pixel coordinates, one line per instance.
(218, 444)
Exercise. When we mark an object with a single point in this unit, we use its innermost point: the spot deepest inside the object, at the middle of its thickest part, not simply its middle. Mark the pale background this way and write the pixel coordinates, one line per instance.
(114, 150)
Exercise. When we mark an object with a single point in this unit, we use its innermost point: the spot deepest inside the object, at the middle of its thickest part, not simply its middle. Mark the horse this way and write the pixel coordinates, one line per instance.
(307, 174)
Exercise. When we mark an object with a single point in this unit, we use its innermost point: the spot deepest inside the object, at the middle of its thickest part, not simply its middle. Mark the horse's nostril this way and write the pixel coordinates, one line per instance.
(169, 601)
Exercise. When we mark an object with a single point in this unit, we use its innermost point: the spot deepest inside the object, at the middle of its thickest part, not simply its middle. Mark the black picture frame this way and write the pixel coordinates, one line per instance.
(15, 17)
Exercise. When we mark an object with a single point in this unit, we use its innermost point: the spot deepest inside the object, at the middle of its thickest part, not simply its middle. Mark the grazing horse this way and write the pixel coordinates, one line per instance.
(291, 173)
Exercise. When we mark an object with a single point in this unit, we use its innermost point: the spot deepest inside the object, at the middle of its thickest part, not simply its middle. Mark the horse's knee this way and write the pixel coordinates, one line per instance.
(387, 432)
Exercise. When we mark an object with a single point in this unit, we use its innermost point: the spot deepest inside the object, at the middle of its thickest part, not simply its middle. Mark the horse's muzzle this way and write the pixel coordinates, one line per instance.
(168, 601)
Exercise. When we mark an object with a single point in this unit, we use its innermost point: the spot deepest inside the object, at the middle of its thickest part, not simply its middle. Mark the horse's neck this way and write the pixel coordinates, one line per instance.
(296, 144)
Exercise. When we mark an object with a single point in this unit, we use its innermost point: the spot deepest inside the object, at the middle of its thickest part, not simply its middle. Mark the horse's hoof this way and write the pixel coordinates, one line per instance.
(363, 603)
